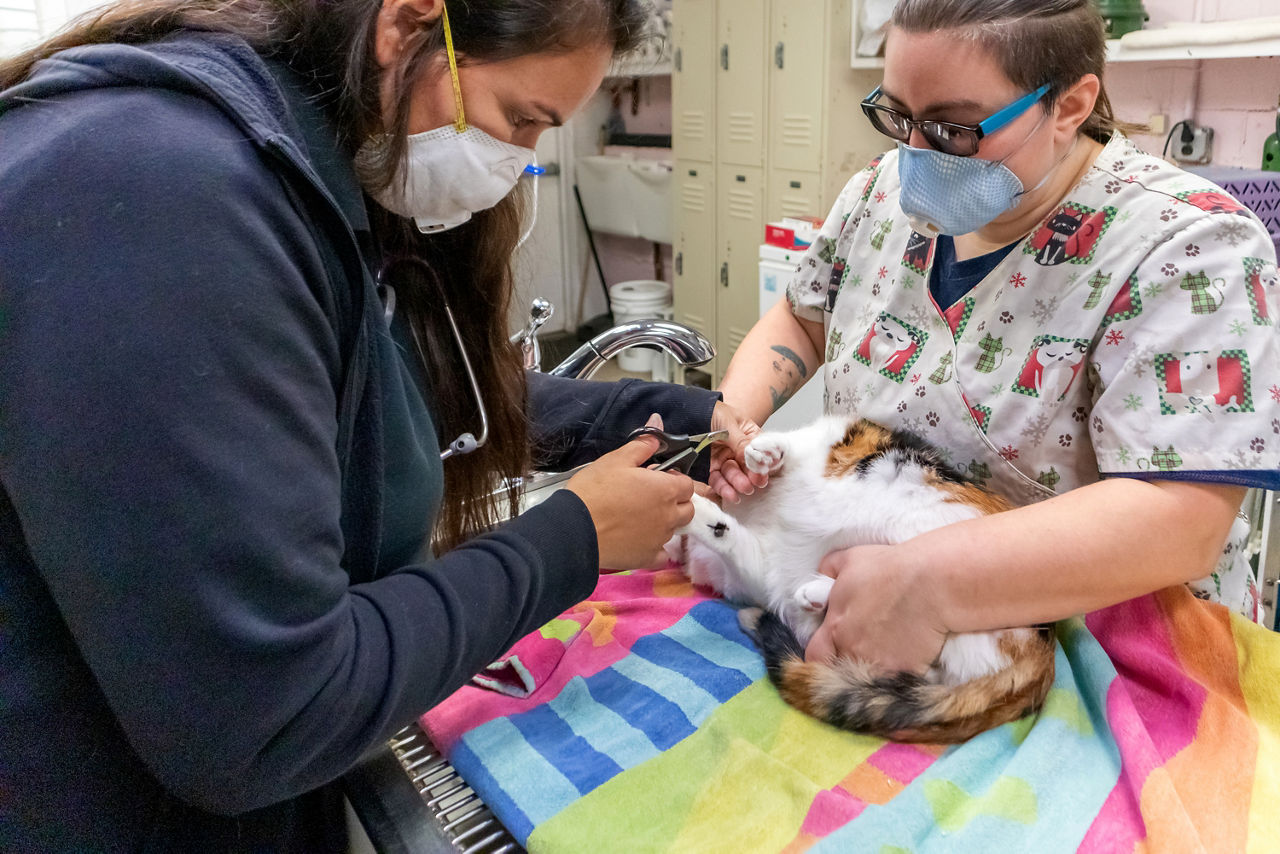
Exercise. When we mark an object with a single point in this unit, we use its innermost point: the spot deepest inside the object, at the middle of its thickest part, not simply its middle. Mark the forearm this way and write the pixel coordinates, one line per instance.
(575, 421)
(1083, 550)
(777, 357)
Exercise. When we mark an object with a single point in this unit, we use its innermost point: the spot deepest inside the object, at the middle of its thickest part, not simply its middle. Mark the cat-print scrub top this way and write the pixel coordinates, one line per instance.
(1133, 332)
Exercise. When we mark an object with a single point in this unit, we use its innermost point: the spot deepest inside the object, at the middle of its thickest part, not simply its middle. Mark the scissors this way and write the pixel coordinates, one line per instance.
(683, 449)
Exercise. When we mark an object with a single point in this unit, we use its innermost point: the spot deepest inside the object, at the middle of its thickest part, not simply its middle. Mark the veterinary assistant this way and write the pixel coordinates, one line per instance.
(1082, 326)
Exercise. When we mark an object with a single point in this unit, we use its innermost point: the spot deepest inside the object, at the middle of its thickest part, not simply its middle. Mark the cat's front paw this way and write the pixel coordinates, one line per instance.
(708, 521)
(812, 595)
(765, 453)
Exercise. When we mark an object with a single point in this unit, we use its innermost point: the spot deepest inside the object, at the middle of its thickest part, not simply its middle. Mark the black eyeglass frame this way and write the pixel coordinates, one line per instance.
(948, 137)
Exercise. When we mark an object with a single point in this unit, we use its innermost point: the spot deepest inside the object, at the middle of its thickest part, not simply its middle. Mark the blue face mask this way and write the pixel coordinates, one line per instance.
(946, 194)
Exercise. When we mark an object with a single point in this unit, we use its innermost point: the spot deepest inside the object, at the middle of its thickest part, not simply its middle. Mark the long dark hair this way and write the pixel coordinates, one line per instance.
(330, 42)
(1035, 41)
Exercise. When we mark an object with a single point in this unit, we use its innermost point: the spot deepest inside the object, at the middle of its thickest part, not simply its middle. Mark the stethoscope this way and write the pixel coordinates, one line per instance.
(467, 442)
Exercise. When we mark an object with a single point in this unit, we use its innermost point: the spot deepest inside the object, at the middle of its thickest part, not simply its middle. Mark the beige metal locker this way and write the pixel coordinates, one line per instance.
(741, 82)
(693, 92)
(787, 122)
(794, 193)
(739, 215)
(695, 246)
(795, 84)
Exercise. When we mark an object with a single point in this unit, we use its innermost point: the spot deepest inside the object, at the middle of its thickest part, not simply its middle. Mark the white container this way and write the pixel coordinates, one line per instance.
(643, 299)
(777, 266)
(627, 197)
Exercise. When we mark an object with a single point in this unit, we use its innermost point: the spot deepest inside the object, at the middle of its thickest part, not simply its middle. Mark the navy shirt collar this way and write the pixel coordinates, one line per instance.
(335, 169)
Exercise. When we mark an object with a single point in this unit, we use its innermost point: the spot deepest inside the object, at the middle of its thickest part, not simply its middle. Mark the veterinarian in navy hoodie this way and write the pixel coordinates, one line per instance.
(220, 472)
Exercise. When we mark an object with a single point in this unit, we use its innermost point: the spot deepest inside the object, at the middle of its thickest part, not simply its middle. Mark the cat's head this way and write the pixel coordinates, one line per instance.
(1062, 352)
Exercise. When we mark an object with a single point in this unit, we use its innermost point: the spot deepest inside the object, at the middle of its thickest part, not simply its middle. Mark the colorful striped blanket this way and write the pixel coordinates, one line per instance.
(653, 727)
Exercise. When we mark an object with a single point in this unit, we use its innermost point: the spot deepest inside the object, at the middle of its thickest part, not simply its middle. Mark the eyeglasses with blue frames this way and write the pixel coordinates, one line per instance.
(947, 137)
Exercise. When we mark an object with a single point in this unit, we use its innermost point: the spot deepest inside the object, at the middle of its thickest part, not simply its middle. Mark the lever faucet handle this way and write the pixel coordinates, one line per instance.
(539, 313)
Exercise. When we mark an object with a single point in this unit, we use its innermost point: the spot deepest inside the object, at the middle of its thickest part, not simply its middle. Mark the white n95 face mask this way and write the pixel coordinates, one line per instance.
(447, 176)
(454, 171)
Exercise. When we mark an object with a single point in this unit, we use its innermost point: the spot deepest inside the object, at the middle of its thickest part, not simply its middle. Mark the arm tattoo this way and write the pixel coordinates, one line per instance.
(780, 397)
(787, 353)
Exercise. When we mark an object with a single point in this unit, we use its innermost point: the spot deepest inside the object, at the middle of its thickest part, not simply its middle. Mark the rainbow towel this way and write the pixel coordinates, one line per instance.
(653, 726)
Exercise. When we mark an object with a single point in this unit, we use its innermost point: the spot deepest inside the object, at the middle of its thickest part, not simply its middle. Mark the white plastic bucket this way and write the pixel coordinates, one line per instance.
(643, 299)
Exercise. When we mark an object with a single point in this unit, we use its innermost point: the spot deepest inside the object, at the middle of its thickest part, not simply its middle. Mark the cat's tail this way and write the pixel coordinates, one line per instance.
(903, 706)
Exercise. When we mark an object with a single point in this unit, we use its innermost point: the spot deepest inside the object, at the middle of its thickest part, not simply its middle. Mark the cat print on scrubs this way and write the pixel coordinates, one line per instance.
(1070, 234)
(1207, 295)
(890, 346)
(1261, 278)
(1201, 382)
(919, 253)
(874, 486)
(1051, 368)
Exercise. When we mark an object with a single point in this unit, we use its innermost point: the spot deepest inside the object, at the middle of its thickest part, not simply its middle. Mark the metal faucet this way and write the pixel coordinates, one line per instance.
(686, 346)
(539, 313)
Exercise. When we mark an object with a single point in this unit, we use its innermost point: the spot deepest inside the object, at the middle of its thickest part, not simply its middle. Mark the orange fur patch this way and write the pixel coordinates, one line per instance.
(797, 687)
(861, 441)
(1005, 696)
(969, 494)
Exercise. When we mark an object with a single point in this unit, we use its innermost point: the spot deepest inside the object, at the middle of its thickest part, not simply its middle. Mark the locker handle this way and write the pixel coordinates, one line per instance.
(779, 55)
(724, 57)
(678, 60)
(679, 263)
(724, 274)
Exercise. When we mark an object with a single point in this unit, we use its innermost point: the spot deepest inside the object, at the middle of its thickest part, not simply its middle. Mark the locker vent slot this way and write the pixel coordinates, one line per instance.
(742, 127)
(693, 198)
(696, 322)
(694, 124)
(797, 130)
(796, 207)
(742, 205)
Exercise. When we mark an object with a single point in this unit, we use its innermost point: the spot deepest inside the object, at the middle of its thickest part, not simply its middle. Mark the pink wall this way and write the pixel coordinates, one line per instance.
(1235, 97)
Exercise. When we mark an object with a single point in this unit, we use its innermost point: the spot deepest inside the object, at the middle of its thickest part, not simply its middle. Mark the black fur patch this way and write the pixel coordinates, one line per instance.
(778, 644)
(910, 448)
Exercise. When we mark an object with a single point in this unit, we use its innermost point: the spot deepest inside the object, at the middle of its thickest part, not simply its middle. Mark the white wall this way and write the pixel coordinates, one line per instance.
(25, 22)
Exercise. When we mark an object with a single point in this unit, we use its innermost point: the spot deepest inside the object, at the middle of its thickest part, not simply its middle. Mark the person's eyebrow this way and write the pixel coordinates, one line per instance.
(942, 106)
(553, 118)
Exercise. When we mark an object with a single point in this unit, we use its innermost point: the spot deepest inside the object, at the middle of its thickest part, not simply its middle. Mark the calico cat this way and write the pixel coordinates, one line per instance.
(836, 484)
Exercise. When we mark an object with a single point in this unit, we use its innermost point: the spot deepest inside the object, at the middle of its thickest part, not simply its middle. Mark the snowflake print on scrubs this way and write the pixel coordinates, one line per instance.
(1057, 355)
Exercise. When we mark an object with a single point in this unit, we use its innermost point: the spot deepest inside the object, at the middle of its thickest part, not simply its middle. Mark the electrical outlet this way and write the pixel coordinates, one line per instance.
(1197, 149)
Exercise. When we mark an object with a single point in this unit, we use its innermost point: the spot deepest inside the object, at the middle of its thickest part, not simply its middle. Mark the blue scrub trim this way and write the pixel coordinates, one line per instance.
(1252, 479)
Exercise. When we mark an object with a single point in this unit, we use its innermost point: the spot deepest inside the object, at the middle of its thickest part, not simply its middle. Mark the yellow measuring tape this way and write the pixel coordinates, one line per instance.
(460, 122)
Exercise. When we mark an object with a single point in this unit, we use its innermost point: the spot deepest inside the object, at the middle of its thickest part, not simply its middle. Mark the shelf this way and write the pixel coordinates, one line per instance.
(1117, 51)
(642, 68)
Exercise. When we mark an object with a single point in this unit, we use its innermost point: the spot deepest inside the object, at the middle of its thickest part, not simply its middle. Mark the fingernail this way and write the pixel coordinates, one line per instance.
(655, 420)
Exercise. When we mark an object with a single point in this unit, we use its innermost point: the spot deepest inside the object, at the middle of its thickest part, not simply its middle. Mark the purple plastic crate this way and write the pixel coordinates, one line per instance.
(1256, 189)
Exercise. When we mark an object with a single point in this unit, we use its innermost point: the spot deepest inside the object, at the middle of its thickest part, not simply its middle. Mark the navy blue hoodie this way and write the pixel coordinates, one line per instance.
(216, 472)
